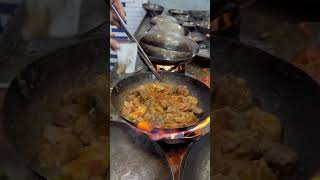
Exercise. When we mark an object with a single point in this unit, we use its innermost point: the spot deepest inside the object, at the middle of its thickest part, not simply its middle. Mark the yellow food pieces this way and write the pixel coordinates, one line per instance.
(265, 123)
(138, 113)
(192, 100)
(92, 161)
(258, 170)
(143, 125)
(161, 105)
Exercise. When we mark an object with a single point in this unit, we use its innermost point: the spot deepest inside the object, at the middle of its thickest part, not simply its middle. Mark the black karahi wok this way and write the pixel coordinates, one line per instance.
(168, 48)
(153, 9)
(280, 88)
(196, 88)
(135, 156)
(171, 27)
(35, 94)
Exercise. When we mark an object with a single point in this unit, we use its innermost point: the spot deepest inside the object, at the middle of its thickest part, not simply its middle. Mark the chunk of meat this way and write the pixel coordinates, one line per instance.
(197, 110)
(240, 145)
(246, 140)
(246, 170)
(161, 105)
(77, 96)
(66, 115)
(64, 149)
(265, 123)
(75, 145)
(183, 90)
(192, 100)
(92, 162)
(84, 129)
(259, 170)
(54, 134)
(81, 124)
(233, 92)
(98, 111)
(229, 119)
(277, 154)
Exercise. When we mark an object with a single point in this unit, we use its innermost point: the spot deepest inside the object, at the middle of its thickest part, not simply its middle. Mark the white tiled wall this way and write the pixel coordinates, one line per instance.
(184, 4)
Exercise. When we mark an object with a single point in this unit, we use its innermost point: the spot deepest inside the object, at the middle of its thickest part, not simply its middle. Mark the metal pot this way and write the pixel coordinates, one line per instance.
(153, 9)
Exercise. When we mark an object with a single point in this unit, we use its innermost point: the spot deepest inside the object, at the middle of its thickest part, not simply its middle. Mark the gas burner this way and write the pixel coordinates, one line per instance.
(179, 68)
(166, 159)
(173, 136)
(186, 138)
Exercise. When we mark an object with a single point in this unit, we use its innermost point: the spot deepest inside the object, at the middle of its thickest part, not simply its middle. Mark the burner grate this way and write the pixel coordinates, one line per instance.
(180, 68)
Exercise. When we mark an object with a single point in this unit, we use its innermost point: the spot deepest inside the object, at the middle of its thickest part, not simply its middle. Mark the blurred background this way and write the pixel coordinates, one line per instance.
(286, 29)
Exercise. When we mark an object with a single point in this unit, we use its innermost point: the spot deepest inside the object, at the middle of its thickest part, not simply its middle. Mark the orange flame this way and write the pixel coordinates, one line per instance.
(156, 135)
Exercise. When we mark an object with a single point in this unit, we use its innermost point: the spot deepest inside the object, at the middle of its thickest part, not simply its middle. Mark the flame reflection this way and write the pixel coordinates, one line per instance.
(159, 134)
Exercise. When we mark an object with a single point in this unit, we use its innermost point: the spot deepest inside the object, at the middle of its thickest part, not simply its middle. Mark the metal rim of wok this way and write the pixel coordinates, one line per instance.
(198, 37)
(162, 61)
(203, 27)
(199, 15)
(168, 18)
(153, 9)
(182, 18)
(279, 88)
(186, 29)
(191, 26)
(196, 88)
(174, 12)
(66, 68)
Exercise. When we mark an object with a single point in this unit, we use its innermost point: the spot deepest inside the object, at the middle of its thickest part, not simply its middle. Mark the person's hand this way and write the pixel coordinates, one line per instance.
(113, 43)
(114, 20)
